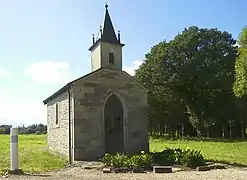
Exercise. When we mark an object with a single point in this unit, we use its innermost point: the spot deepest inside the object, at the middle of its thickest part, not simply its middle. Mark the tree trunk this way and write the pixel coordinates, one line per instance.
(150, 128)
(154, 128)
(223, 132)
(230, 129)
(163, 129)
(242, 130)
(207, 132)
(182, 130)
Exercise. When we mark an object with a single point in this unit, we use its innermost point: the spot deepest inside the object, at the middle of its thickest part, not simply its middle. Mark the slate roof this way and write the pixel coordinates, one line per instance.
(108, 32)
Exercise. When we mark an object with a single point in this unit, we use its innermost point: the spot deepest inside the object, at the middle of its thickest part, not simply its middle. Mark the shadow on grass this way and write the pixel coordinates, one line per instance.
(165, 138)
(228, 163)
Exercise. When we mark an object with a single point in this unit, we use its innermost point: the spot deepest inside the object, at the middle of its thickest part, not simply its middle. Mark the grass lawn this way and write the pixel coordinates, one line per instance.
(34, 157)
(33, 154)
(234, 152)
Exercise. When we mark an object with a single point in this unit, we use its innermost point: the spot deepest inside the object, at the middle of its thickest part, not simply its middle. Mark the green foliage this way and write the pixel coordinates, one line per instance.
(193, 72)
(188, 157)
(31, 129)
(192, 158)
(118, 160)
(131, 161)
(242, 38)
(2, 131)
(140, 160)
(213, 149)
(240, 84)
(165, 157)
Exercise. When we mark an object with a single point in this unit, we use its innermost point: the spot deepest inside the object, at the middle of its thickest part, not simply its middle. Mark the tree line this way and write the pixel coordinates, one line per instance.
(31, 129)
(197, 84)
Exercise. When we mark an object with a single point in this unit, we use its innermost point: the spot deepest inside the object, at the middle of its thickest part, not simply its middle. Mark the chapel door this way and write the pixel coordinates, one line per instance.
(114, 138)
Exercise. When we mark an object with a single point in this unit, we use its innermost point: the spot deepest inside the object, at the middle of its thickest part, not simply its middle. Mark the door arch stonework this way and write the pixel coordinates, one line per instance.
(113, 124)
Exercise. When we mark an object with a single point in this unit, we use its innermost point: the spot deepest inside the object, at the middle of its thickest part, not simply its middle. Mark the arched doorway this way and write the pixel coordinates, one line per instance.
(113, 117)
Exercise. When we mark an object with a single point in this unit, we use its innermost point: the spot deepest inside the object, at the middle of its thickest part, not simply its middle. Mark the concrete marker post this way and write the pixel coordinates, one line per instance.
(14, 149)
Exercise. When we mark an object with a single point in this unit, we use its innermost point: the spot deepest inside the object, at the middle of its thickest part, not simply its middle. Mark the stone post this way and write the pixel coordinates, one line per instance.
(14, 149)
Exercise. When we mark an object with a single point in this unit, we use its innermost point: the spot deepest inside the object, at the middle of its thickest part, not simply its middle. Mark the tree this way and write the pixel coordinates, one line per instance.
(2, 131)
(197, 68)
(166, 111)
(240, 84)
(242, 39)
(6, 129)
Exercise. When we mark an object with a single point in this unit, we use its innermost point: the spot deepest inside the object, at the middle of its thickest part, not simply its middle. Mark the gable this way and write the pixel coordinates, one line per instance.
(110, 76)
(101, 74)
(67, 86)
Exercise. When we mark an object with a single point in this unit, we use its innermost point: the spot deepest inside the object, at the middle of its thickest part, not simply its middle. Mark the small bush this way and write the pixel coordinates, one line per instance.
(118, 160)
(166, 157)
(37, 132)
(192, 158)
(107, 159)
(142, 160)
(132, 161)
(189, 158)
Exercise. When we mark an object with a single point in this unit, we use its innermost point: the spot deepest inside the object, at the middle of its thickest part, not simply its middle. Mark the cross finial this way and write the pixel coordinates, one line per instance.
(106, 5)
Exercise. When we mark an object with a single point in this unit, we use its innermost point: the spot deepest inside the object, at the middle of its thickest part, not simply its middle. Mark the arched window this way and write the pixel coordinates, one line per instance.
(57, 113)
(111, 58)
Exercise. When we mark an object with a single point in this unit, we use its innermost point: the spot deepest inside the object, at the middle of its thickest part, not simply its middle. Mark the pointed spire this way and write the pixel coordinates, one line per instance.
(108, 34)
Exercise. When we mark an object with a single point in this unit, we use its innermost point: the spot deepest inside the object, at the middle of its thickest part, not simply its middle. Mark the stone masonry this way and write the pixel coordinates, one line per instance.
(58, 134)
(103, 111)
(88, 96)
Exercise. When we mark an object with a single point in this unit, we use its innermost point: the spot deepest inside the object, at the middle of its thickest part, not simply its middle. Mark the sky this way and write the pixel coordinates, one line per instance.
(44, 43)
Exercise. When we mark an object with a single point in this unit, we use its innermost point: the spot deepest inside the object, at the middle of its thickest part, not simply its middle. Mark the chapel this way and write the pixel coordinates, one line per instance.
(104, 111)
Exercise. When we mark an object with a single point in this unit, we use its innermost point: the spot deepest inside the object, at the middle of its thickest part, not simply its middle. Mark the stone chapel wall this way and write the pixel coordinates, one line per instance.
(89, 96)
(58, 134)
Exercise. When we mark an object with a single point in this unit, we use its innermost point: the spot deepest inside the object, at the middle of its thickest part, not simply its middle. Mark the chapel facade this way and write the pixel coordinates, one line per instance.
(105, 111)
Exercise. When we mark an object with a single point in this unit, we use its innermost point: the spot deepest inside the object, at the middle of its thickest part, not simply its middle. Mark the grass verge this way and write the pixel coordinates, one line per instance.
(229, 152)
(33, 154)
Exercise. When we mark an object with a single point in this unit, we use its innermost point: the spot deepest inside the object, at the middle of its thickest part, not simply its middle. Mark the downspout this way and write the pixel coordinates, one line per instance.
(70, 159)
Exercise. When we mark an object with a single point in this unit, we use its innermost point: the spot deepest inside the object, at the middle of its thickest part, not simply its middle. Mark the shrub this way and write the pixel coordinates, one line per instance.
(37, 132)
(192, 158)
(178, 153)
(140, 160)
(118, 160)
(132, 161)
(107, 159)
(166, 157)
(189, 158)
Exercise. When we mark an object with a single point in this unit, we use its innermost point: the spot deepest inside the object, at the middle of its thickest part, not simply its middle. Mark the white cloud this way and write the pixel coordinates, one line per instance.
(22, 107)
(28, 107)
(25, 108)
(49, 72)
(131, 69)
(18, 113)
(4, 72)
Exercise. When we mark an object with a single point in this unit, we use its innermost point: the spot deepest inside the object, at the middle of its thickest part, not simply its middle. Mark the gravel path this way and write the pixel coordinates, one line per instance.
(82, 174)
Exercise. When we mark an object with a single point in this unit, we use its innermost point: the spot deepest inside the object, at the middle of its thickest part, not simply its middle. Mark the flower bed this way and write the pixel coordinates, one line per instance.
(186, 158)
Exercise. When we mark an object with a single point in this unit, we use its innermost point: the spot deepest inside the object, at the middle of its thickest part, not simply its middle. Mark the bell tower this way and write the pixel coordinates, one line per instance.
(106, 50)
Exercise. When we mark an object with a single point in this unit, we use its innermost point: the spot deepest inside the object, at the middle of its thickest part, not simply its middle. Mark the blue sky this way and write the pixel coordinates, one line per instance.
(44, 43)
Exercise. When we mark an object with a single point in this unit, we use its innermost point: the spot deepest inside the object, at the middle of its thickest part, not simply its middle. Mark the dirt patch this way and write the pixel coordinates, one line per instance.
(95, 174)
